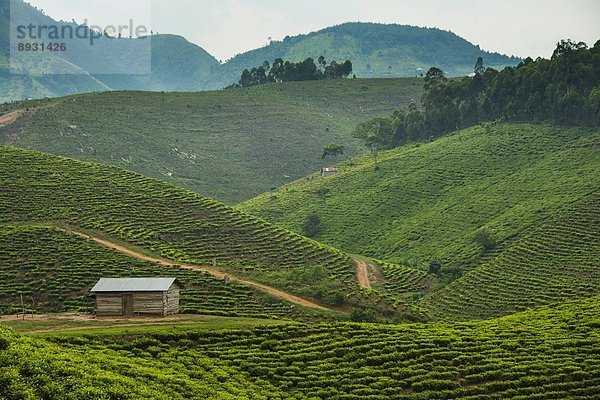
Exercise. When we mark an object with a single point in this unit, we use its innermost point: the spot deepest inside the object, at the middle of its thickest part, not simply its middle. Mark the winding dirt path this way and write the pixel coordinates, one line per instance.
(213, 271)
(362, 274)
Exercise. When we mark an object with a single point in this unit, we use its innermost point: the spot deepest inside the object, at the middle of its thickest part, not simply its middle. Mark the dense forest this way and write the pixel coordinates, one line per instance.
(288, 71)
(564, 89)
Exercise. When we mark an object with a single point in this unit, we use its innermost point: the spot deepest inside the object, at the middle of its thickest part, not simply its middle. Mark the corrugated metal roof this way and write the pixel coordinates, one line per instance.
(133, 284)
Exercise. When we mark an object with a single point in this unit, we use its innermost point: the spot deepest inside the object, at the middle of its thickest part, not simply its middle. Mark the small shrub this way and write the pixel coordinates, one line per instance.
(311, 226)
(485, 238)
(269, 345)
(322, 192)
(4, 343)
(363, 314)
(435, 267)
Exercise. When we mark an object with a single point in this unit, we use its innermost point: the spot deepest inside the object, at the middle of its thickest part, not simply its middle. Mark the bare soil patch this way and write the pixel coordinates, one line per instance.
(9, 118)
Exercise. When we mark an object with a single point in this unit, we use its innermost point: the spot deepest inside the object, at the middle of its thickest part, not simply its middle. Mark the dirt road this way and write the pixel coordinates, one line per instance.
(362, 274)
(213, 271)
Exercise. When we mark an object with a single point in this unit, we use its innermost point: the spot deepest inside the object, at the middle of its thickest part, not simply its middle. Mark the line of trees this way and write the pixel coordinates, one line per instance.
(564, 89)
(288, 71)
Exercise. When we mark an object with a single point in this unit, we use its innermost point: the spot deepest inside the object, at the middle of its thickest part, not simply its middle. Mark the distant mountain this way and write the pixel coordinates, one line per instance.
(376, 50)
(18, 87)
(177, 65)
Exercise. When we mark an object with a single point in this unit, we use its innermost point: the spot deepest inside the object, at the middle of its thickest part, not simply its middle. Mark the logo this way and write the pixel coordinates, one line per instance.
(41, 45)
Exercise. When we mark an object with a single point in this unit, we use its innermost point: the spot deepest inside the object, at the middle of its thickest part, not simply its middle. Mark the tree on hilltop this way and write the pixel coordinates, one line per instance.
(376, 135)
(479, 68)
(434, 77)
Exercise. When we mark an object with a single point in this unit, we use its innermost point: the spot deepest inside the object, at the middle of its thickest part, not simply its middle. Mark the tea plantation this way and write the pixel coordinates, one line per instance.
(491, 232)
(548, 353)
(401, 280)
(428, 202)
(54, 272)
(508, 214)
(558, 260)
(172, 222)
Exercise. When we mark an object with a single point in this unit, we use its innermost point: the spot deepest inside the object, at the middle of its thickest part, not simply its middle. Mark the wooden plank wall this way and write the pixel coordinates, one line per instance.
(171, 300)
(109, 304)
(144, 303)
(148, 303)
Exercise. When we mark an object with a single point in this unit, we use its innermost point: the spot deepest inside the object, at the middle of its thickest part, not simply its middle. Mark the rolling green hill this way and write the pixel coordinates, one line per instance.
(41, 189)
(551, 353)
(510, 207)
(376, 50)
(230, 144)
(54, 271)
(557, 260)
(427, 201)
(19, 87)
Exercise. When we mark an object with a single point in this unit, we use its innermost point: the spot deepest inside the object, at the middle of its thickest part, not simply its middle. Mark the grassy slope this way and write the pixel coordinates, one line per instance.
(559, 259)
(231, 144)
(547, 353)
(427, 201)
(533, 188)
(54, 272)
(173, 222)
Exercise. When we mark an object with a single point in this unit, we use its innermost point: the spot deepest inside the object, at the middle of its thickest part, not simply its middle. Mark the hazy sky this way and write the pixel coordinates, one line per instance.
(228, 27)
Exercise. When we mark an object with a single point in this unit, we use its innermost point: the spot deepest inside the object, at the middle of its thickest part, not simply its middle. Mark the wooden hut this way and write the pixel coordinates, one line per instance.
(131, 297)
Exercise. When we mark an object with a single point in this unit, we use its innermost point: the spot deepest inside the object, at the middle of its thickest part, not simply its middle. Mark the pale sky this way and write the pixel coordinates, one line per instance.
(228, 27)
